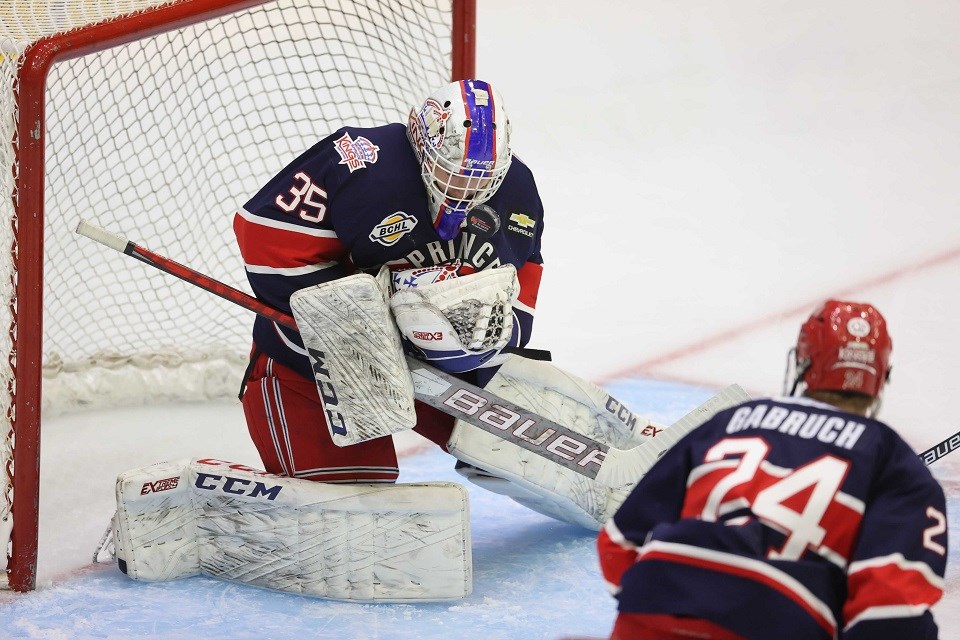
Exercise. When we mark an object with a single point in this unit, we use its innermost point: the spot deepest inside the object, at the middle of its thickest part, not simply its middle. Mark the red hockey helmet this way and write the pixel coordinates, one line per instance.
(844, 346)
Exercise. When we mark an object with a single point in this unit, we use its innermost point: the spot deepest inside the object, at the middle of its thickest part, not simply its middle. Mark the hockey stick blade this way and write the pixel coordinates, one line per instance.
(463, 400)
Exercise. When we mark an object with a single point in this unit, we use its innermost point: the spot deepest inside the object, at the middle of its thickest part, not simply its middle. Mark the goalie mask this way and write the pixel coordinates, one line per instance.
(461, 136)
(845, 347)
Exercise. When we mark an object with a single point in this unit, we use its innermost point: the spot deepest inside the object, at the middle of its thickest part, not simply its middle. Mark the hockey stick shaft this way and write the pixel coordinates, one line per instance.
(461, 399)
(120, 243)
(941, 449)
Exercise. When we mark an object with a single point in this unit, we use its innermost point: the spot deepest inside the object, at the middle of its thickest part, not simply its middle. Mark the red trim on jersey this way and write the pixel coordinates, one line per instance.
(529, 276)
(282, 248)
(614, 558)
(888, 585)
(742, 572)
(631, 626)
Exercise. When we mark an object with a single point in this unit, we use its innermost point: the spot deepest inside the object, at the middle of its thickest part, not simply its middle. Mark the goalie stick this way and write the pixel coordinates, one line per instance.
(465, 401)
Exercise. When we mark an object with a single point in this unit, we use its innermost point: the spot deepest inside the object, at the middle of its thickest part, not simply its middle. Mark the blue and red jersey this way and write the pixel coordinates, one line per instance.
(356, 201)
(783, 518)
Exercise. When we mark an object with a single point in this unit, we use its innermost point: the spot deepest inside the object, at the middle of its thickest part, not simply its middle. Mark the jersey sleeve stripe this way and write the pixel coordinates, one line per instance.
(888, 612)
(616, 553)
(261, 221)
(886, 587)
(529, 277)
(898, 560)
(284, 246)
(290, 271)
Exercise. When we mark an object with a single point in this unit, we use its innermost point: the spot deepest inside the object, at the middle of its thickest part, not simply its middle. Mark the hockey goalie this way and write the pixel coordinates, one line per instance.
(386, 243)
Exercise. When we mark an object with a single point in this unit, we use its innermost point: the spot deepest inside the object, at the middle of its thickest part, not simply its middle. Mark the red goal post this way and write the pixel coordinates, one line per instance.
(158, 119)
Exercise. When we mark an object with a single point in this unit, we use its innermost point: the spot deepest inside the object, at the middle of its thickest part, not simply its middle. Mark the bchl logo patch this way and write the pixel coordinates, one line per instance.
(392, 228)
(355, 153)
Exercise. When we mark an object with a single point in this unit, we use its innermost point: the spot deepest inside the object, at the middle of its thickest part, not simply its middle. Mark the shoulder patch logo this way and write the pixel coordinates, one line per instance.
(521, 223)
(355, 153)
(392, 228)
(523, 220)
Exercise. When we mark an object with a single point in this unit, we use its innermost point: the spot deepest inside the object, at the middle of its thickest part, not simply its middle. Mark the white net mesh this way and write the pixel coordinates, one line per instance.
(162, 140)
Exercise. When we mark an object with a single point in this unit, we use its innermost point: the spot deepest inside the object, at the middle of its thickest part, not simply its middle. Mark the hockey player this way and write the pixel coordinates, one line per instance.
(422, 239)
(798, 517)
(391, 195)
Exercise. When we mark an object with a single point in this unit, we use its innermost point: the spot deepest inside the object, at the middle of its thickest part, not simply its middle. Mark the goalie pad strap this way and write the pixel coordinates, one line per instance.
(369, 543)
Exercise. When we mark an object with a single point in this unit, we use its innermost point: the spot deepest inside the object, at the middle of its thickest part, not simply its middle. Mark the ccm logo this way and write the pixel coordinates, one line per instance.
(327, 393)
(580, 453)
(160, 485)
(428, 335)
(236, 486)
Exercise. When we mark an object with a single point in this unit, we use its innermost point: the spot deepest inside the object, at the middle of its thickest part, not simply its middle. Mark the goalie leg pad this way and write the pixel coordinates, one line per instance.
(362, 542)
(541, 484)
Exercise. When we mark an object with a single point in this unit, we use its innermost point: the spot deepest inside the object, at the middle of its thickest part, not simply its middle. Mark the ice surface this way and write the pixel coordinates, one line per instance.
(710, 171)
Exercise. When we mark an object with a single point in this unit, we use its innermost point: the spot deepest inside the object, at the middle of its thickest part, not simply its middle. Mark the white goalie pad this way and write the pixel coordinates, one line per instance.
(478, 308)
(363, 542)
(357, 359)
(553, 489)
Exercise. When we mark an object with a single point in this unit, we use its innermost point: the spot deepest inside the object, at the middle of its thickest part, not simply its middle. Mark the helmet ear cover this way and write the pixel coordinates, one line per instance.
(461, 136)
(844, 347)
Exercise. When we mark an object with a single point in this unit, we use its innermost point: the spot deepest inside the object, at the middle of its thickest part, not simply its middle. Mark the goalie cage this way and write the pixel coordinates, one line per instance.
(158, 119)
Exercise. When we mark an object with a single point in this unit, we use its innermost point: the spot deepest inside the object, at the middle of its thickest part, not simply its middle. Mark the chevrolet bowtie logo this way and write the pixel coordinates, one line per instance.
(522, 220)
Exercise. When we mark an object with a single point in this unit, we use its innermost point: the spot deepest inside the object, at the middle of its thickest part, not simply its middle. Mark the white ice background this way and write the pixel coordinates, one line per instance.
(710, 171)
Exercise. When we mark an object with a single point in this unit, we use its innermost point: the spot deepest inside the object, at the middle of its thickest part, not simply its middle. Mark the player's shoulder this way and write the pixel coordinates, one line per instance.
(518, 201)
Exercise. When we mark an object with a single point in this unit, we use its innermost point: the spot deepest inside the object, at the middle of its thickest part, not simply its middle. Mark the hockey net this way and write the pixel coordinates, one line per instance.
(160, 119)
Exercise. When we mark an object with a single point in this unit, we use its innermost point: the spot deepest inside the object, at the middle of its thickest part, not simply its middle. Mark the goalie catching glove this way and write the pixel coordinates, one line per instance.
(456, 323)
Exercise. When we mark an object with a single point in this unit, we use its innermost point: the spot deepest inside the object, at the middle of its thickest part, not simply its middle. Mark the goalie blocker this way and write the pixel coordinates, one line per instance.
(366, 543)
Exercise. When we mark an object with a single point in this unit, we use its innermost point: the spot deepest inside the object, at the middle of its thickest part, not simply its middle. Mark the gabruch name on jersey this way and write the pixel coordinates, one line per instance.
(522, 224)
(355, 153)
(808, 425)
(392, 228)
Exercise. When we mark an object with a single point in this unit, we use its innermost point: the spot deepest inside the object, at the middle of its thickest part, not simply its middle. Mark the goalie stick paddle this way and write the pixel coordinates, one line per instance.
(467, 402)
